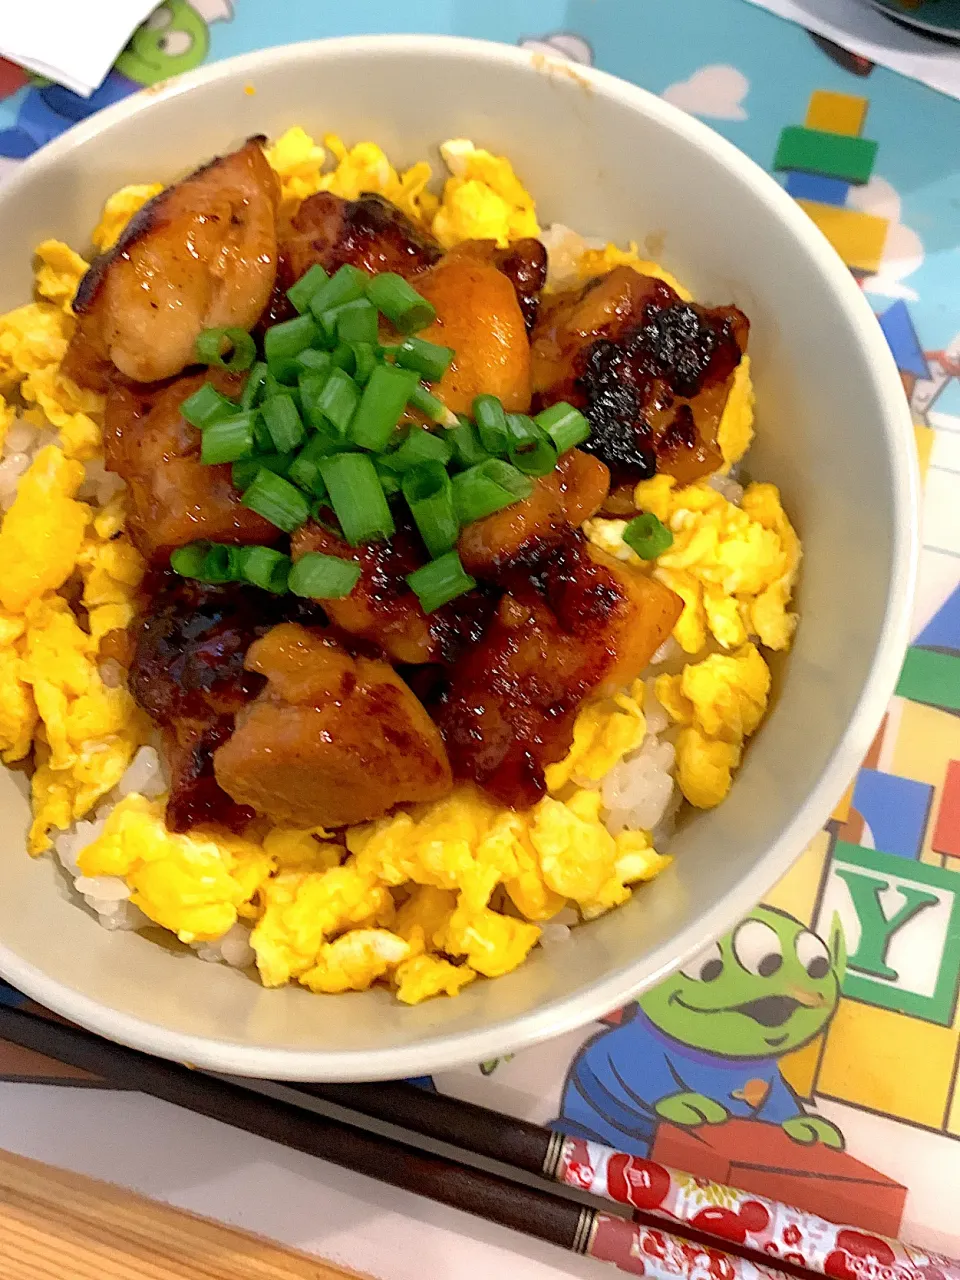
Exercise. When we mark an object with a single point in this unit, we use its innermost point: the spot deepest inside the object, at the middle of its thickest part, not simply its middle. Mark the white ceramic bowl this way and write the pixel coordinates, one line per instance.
(833, 432)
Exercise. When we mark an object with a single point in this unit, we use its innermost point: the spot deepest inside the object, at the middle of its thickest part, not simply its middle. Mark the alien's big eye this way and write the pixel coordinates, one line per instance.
(758, 948)
(706, 967)
(813, 954)
(176, 43)
(159, 19)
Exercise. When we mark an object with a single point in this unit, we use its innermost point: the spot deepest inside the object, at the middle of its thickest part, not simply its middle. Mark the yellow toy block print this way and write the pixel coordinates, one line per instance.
(797, 891)
(890, 1063)
(858, 237)
(926, 739)
(801, 1067)
(836, 113)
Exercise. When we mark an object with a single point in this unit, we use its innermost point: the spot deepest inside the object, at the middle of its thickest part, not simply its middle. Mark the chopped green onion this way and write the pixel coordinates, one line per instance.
(647, 536)
(523, 430)
(344, 286)
(338, 399)
(427, 359)
(217, 566)
(432, 406)
(244, 472)
(492, 424)
(264, 567)
(389, 480)
(310, 360)
(282, 344)
(400, 303)
(365, 361)
(323, 577)
(305, 471)
(565, 425)
(430, 499)
(357, 321)
(261, 436)
(420, 446)
(272, 386)
(188, 561)
(283, 423)
(342, 357)
(383, 401)
(465, 440)
(228, 440)
(308, 284)
(357, 497)
(440, 581)
(310, 384)
(206, 406)
(254, 386)
(209, 345)
(488, 487)
(537, 459)
(277, 500)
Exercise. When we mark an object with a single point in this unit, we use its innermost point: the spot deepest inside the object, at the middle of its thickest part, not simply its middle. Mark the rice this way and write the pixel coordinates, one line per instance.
(232, 949)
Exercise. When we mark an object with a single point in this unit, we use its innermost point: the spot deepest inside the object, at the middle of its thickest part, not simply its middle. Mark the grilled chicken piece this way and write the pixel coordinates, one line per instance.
(333, 740)
(478, 315)
(561, 500)
(651, 372)
(524, 263)
(586, 625)
(174, 498)
(202, 254)
(369, 233)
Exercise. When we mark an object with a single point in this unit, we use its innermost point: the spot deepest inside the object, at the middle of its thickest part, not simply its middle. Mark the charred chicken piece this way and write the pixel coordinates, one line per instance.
(561, 500)
(369, 233)
(651, 372)
(202, 254)
(173, 497)
(332, 740)
(584, 625)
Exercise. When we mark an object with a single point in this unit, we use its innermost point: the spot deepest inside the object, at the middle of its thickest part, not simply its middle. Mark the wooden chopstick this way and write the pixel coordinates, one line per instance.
(57, 1223)
(633, 1247)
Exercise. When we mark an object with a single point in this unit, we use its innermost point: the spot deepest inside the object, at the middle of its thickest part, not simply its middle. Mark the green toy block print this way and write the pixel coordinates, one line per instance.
(931, 677)
(829, 154)
(901, 921)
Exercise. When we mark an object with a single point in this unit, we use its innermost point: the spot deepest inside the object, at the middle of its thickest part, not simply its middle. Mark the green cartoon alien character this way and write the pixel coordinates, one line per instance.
(175, 38)
(704, 1045)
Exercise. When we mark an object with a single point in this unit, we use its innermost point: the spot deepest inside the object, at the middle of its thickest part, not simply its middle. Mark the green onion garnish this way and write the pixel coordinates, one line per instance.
(431, 406)
(282, 344)
(310, 360)
(465, 441)
(565, 425)
(430, 499)
(310, 384)
(342, 357)
(440, 581)
(261, 436)
(364, 360)
(283, 423)
(357, 321)
(383, 401)
(264, 567)
(389, 480)
(492, 424)
(228, 440)
(531, 449)
(400, 303)
(323, 577)
(427, 359)
(305, 471)
(189, 560)
(420, 446)
(647, 536)
(357, 497)
(217, 565)
(277, 500)
(254, 386)
(244, 472)
(345, 285)
(488, 487)
(206, 406)
(308, 284)
(210, 344)
(273, 386)
(338, 399)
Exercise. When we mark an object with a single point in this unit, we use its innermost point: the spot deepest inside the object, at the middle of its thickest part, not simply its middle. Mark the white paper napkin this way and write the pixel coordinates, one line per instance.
(71, 41)
(857, 26)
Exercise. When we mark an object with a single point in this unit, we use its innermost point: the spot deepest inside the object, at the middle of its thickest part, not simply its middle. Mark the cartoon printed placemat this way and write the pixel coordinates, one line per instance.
(813, 1054)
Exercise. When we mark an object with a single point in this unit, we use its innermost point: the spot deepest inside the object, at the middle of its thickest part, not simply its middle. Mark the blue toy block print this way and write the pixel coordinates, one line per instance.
(943, 629)
(902, 339)
(895, 810)
(817, 186)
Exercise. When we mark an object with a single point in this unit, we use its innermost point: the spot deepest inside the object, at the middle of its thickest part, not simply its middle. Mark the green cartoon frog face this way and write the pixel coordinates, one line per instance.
(766, 988)
(172, 40)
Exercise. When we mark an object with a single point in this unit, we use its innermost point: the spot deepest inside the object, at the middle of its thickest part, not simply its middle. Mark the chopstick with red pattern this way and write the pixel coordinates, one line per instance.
(733, 1219)
(635, 1248)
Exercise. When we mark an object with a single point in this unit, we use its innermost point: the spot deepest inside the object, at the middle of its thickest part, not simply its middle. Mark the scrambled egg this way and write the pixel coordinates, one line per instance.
(720, 702)
(424, 900)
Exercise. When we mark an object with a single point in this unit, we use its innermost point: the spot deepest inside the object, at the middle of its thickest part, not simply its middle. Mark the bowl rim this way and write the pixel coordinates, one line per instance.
(440, 1051)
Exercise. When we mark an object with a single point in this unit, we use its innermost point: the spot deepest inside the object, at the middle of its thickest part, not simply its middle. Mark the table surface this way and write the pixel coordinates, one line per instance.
(884, 1073)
